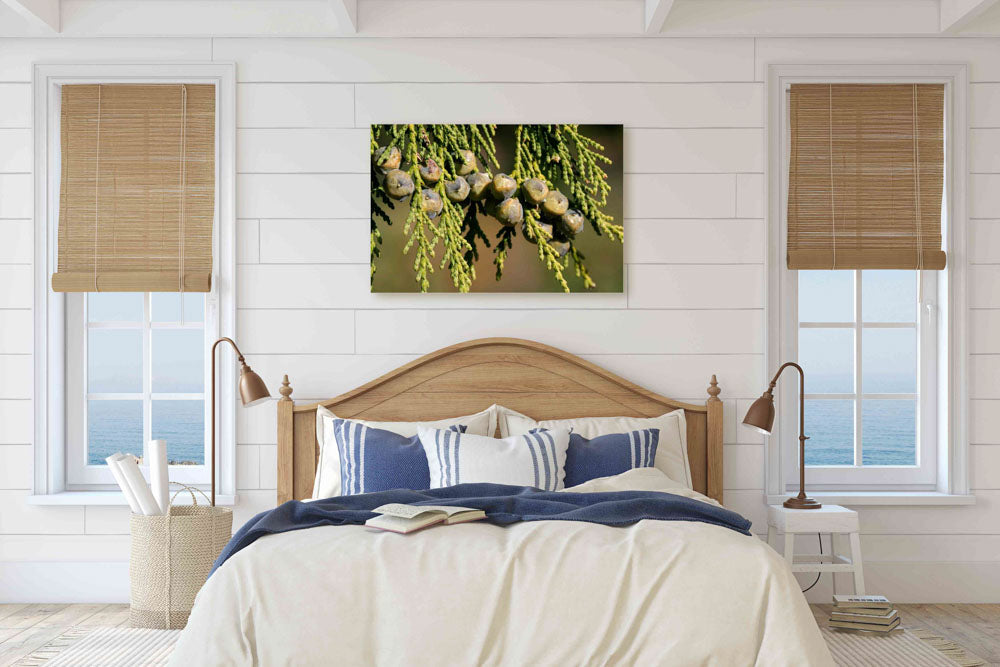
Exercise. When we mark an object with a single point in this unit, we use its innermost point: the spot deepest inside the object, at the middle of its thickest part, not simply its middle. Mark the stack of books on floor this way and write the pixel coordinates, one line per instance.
(866, 613)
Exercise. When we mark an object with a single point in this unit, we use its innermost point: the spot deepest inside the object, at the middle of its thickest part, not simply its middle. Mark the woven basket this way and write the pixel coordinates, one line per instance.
(171, 558)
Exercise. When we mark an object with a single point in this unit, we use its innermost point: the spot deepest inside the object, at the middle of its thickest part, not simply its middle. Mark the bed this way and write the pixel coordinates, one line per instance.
(539, 593)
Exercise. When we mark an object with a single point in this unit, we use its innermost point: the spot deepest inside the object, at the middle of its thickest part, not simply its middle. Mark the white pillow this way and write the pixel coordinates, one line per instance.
(327, 482)
(639, 479)
(636, 479)
(534, 459)
(671, 452)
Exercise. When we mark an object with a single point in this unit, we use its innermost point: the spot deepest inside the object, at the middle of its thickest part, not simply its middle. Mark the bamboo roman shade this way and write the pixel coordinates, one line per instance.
(137, 192)
(866, 176)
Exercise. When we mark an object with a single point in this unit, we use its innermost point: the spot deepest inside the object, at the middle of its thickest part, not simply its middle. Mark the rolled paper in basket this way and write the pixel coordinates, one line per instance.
(113, 466)
(134, 478)
(158, 474)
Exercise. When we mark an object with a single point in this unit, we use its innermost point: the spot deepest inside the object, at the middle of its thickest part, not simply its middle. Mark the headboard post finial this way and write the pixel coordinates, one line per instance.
(714, 390)
(285, 390)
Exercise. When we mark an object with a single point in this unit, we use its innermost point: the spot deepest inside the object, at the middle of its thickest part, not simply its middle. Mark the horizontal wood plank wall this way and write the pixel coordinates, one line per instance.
(693, 111)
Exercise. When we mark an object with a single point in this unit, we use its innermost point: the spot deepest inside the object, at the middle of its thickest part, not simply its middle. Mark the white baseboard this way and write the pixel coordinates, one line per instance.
(55, 582)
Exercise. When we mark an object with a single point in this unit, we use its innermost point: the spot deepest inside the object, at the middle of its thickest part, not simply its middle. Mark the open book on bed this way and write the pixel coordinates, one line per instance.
(402, 518)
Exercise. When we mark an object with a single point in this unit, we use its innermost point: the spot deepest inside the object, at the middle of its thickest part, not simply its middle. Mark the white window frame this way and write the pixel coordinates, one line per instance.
(50, 308)
(946, 481)
(922, 476)
(80, 475)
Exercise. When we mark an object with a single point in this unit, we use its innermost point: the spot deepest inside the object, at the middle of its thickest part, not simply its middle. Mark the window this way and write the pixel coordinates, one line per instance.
(882, 347)
(136, 363)
(870, 350)
(115, 368)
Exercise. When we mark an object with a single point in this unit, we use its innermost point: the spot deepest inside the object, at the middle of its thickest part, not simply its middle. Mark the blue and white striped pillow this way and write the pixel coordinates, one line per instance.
(372, 459)
(610, 454)
(534, 459)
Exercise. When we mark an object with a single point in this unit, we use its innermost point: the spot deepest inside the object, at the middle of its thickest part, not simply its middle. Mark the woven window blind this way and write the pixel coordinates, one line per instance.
(866, 175)
(137, 192)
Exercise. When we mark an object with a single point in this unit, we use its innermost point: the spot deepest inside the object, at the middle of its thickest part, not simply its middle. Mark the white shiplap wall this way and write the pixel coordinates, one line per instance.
(693, 111)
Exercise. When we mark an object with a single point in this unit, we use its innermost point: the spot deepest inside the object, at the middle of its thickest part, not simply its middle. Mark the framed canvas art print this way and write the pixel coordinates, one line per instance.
(496, 208)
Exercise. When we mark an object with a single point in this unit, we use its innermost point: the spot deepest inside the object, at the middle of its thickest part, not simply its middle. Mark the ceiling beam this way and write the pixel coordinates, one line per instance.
(44, 13)
(958, 14)
(346, 13)
(656, 14)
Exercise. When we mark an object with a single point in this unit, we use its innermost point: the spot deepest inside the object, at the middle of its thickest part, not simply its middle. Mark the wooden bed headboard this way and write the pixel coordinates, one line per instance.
(540, 381)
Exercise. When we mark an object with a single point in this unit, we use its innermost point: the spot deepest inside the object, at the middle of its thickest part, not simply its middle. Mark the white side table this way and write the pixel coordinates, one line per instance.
(832, 519)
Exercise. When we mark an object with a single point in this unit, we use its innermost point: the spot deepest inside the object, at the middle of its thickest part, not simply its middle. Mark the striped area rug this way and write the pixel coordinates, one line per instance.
(126, 647)
(105, 647)
(907, 648)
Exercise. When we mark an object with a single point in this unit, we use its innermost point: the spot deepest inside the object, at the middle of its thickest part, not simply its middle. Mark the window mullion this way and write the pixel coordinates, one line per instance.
(858, 386)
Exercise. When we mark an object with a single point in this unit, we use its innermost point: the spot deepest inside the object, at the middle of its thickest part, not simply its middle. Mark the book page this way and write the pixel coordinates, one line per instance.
(410, 511)
(405, 511)
(450, 510)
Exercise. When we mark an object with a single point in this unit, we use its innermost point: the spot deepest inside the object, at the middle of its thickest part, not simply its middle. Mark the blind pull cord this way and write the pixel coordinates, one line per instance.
(180, 223)
(833, 199)
(916, 193)
(97, 191)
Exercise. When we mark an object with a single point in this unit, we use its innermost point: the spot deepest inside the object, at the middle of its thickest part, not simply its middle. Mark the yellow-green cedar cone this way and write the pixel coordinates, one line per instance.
(479, 184)
(430, 172)
(555, 203)
(561, 247)
(388, 158)
(457, 190)
(509, 212)
(466, 162)
(431, 201)
(504, 186)
(570, 223)
(398, 184)
(534, 190)
(524, 230)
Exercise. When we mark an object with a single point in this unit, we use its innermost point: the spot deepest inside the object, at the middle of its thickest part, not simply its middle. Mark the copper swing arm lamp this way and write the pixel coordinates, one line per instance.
(252, 391)
(760, 416)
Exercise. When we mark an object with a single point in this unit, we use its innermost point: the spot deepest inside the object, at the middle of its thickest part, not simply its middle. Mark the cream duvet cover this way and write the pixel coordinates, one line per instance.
(541, 593)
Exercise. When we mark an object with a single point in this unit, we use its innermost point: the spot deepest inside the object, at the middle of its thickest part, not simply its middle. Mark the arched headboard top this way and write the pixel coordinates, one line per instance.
(538, 380)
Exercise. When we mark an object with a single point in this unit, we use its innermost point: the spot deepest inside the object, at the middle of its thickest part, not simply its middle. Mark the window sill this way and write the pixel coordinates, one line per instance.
(111, 498)
(884, 498)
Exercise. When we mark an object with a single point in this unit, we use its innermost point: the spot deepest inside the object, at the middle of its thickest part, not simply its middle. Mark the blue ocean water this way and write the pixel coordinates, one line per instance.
(116, 426)
(889, 430)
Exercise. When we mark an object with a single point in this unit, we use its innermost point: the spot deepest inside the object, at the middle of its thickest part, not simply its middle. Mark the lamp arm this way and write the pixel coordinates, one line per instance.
(239, 354)
(802, 395)
(240, 357)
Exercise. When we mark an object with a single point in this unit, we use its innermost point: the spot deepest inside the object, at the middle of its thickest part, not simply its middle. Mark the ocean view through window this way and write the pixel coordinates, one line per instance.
(858, 341)
(145, 374)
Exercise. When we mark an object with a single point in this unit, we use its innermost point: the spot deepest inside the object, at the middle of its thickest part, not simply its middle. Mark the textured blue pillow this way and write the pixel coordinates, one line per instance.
(372, 459)
(610, 454)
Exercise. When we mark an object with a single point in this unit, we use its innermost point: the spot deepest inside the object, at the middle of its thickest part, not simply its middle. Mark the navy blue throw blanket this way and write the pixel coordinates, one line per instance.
(503, 504)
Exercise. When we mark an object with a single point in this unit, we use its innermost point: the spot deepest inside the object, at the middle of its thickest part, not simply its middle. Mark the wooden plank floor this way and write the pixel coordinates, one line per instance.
(26, 627)
(975, 627)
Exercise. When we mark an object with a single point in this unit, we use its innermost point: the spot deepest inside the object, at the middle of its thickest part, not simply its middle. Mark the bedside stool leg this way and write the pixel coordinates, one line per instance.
(789, 547)
(859, 574)
(833, 555)
(770, 536)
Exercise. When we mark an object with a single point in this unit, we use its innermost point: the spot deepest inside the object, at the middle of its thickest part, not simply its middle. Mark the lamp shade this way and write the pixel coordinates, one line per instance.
(760, 416)
(252, 388)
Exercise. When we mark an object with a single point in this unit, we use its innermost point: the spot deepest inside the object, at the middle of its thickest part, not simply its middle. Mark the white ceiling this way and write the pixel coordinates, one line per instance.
(499, 18)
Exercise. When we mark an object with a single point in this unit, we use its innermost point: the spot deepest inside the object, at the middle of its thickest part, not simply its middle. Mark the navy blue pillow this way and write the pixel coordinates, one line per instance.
(610, 454)
(372, 459)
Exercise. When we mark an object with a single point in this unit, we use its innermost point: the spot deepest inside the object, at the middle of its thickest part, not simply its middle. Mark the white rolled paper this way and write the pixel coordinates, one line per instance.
(134, 478)
(113, 466)
(158, 474)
